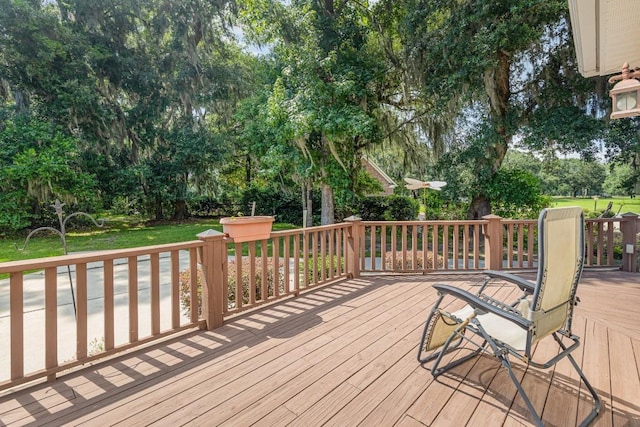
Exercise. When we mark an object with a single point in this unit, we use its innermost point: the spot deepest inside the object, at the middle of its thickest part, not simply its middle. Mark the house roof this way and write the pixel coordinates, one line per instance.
(381, 174)
(605, 35)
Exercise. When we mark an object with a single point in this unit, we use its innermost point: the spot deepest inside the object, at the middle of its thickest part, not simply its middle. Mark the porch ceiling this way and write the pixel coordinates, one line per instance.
(605, 35)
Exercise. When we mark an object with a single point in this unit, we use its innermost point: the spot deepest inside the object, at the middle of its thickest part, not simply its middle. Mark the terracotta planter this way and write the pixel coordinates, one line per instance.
(247, 228)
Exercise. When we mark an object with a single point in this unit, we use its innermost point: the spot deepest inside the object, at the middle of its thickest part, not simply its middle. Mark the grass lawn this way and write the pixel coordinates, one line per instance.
(129, 232)
(118, 233)
(620, 204)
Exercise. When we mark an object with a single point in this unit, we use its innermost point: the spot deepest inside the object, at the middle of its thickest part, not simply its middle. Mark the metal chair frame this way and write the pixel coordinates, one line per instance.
(483, 304)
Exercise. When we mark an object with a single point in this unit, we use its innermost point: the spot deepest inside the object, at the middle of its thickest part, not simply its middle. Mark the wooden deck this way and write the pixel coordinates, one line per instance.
(345, 355)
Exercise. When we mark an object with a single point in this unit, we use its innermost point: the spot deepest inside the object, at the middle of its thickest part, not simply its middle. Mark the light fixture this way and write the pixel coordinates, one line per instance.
(625, 96)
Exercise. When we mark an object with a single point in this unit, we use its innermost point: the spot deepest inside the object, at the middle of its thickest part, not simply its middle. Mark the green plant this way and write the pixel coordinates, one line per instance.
(388, 208)
(410, 265)
(96, 346)
(373, 208)
(402, 208)
(331, 267)
(185, 284)
(122, 205)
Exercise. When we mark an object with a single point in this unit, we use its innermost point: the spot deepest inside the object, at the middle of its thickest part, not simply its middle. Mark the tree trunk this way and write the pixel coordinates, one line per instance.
(247, 169)
(327, 215)
(303, 187)
(159, 212)
(496, 85)
(479, 207)
(327, 211)
(180, 210)
(307, 204)
(309, 196)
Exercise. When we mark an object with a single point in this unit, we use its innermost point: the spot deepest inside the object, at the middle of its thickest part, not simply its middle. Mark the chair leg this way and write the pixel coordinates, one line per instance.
(503, 356)
(435, 371)
(597, 403)
(436, 354)
(504, 359)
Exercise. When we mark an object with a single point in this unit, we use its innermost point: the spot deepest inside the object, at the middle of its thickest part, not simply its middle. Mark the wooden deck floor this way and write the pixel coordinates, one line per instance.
(345, 355)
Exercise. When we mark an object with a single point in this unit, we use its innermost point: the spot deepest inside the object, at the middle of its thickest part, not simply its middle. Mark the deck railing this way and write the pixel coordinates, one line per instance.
(131, 297)
(422, 246)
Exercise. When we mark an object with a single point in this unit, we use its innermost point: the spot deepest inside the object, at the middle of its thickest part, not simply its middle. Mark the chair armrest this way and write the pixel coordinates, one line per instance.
(480, 305)
(523, 284)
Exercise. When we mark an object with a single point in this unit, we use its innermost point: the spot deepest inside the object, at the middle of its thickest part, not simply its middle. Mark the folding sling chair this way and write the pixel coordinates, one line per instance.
(504, 329)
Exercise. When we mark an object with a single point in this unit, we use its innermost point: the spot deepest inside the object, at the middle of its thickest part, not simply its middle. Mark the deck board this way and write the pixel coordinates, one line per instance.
(345, 355)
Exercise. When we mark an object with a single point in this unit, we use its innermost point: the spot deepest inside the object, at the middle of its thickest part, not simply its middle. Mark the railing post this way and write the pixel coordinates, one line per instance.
(212, 257)
(629, 226)
(354, 235)
(493, 236)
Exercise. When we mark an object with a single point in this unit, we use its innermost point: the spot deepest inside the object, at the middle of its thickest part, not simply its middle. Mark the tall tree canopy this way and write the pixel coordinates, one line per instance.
(506, 64)
(159, 103)
(325, 100)
(145, 86)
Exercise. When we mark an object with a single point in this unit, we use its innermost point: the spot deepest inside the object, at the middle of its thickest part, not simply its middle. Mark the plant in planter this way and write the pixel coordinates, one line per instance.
(247, 228)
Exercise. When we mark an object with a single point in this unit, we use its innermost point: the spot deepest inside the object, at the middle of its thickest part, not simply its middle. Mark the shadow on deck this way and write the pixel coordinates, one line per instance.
(345, 355)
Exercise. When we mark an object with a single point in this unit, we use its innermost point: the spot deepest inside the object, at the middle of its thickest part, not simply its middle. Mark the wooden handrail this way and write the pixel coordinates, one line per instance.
(241, 276)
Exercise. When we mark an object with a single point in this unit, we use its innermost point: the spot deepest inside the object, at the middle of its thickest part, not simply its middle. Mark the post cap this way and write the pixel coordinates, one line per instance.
(208, 234)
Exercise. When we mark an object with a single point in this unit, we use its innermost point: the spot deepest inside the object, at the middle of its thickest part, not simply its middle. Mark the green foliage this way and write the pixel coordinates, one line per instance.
(515, 193)
(145, 90)
(272, 200)
(457, 41)
(332, 267)
(621, 180)
(507, 68)
(388, 208)
(13, 215)
(401, 208)
(622, 140)
(434, 205)
(185, 285)
(373, 208)
(38, 164)
(564, 128)
(152, 107)
(323, 103)
(418, 264)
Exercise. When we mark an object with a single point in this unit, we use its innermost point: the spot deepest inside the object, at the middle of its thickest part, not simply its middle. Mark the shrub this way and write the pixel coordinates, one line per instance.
(402, 208)
(388, 208)
(515, 193)
(388, 261)
(185, 292)
(246, 280)
(338, 265)
(185, 284)
(203, 206)
(122, 205)
(373, 208)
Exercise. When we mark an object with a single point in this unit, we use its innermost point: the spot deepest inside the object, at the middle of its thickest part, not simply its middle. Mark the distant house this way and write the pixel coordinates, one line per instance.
(374, 170)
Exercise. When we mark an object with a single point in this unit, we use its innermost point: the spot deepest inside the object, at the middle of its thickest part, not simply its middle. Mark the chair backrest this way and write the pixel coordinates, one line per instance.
(560, 261)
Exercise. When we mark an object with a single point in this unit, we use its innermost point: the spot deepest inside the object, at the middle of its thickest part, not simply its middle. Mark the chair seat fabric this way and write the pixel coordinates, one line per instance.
(504, 330)
(498, 327)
